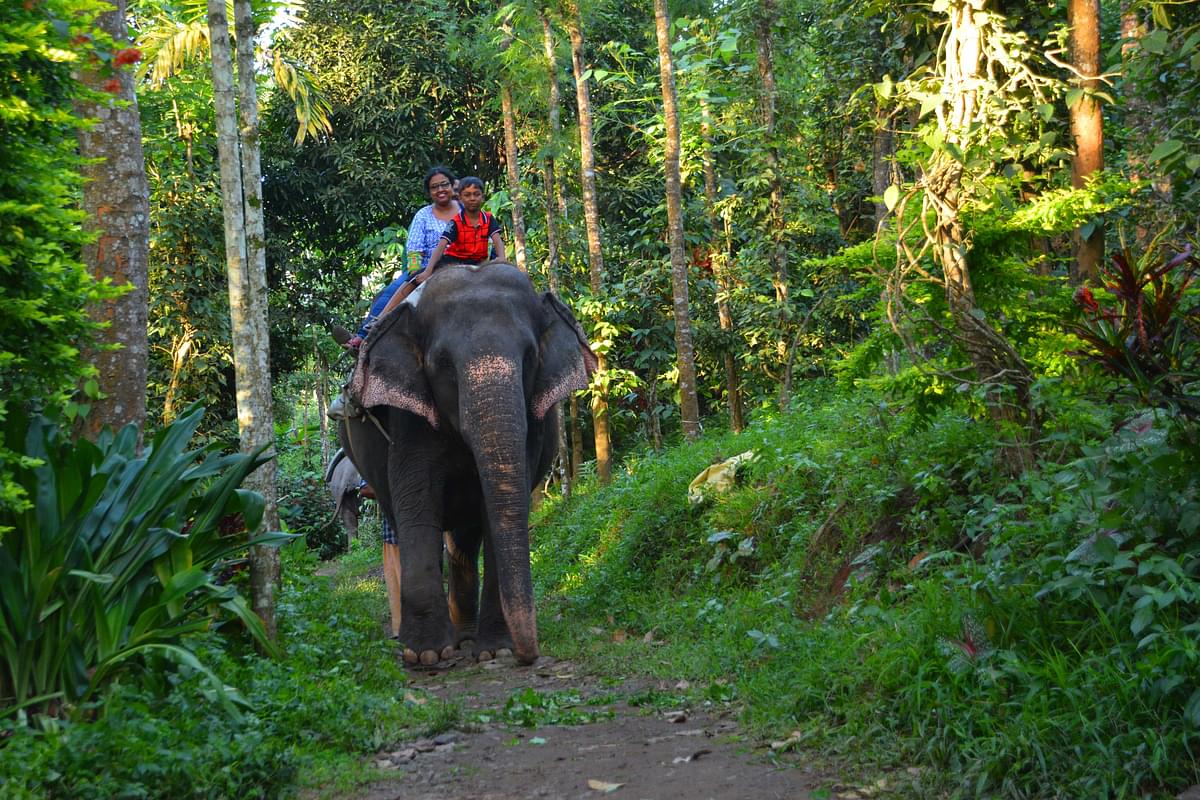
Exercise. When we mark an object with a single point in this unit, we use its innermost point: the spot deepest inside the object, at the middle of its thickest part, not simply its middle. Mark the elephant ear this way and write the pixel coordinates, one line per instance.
(566, 358)
(390, 369)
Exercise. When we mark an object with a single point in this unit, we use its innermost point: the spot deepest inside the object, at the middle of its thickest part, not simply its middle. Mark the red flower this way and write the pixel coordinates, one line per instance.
(1084, 297)
(130, 55)
(112, 86)
(80, 39)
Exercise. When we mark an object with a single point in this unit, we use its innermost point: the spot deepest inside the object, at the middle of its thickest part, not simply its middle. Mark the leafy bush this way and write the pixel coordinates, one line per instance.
(44, 287)
(116, 555)
(337, 691)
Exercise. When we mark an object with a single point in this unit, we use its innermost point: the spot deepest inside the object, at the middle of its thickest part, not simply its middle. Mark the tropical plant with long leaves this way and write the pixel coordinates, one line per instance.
(1145, 326)
(116, 556)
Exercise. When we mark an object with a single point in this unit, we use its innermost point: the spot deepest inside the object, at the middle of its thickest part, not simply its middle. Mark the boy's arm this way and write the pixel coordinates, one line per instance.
(408, 288)
(497, 246)
(434, 258)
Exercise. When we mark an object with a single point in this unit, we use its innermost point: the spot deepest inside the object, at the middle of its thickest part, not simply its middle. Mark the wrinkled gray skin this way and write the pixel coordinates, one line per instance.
(466, 386)
(342, 479)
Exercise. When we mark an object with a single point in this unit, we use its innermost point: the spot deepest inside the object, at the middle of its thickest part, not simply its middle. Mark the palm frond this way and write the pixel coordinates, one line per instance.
(312, 109)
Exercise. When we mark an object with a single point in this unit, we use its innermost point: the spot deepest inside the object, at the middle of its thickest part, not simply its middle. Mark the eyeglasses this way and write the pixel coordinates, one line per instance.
(433, 187)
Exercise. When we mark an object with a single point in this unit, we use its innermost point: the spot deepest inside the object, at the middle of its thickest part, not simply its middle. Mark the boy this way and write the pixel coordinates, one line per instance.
(468, 235)
(465, 240)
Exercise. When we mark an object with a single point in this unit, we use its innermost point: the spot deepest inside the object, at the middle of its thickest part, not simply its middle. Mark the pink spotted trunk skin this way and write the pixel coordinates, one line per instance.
(493, 417)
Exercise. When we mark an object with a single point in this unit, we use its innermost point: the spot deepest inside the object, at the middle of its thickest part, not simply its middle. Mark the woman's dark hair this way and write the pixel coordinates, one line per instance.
(471, 181)
(437, 170)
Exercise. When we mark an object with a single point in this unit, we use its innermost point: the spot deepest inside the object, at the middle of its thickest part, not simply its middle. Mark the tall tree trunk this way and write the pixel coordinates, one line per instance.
(181, 348)
(720, 262)
(567, 472)
(576, 426)
(264, 561)
(764, 25)
(247, 287)
(999, 368)
(514, 178)
(591, 217)
(116, 202)
(685, 358)
(1087, 127)
(512, 167)
(321, 392)
(883, 175)
(883, 149)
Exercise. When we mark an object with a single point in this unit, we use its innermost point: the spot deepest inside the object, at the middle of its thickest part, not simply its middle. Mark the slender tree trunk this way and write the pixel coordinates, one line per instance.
(320, 392)
(883, 175)
(1005, 376)
(514, 178)
(181, 348)
(511, 163)
(566, 472)
(689, 404)
(720, 262)
(1087, 127)
(764, 25)
(264, 561)
(116, 202)
(576, 438)
(882, 151)
(591, 216)
(247, 282)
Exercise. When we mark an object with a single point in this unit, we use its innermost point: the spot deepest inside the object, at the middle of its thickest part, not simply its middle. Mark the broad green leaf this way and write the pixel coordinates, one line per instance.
(1165, 149)
(1155, 42)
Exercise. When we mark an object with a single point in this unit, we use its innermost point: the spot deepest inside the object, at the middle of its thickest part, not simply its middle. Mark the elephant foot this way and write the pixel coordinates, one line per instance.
(428, 658)
(496, 645)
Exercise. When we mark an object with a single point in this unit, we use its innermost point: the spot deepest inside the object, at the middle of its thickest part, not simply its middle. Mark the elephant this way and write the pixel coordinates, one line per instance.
(343, 481)
(461, 392)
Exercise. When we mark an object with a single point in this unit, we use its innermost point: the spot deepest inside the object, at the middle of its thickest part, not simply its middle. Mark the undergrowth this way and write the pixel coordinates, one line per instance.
(305, 720)
(876, 585)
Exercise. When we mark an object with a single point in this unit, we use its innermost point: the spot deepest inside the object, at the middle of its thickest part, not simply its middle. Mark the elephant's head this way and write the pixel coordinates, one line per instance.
(485, 358)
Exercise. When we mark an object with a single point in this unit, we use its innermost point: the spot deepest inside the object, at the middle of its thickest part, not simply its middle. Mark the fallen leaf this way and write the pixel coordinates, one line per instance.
(676, 716)
(409, 697)
(619, 635)
(649, 637)
(682, 685)
(602, 786)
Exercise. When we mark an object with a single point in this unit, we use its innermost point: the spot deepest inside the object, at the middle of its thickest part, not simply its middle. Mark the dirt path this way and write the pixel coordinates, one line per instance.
(586, 741)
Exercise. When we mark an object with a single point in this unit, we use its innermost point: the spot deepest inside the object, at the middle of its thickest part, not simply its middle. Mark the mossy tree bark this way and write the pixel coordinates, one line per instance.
(116, 202)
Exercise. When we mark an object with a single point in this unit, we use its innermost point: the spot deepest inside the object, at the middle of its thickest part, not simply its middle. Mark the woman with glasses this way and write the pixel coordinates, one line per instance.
(423, 236)
(430, 221)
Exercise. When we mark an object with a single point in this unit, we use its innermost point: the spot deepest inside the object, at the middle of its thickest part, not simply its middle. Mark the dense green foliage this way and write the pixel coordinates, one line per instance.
(44, 287)
(118, 556)
(338, 691)
(1029, 639)
(880, 580)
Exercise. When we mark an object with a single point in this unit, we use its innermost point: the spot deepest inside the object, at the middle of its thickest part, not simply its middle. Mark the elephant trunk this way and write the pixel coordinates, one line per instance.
(495, 426)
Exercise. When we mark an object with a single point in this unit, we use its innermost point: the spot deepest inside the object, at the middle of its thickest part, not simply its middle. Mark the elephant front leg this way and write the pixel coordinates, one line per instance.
(494, 634)
(462, 552)
(425, 627)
